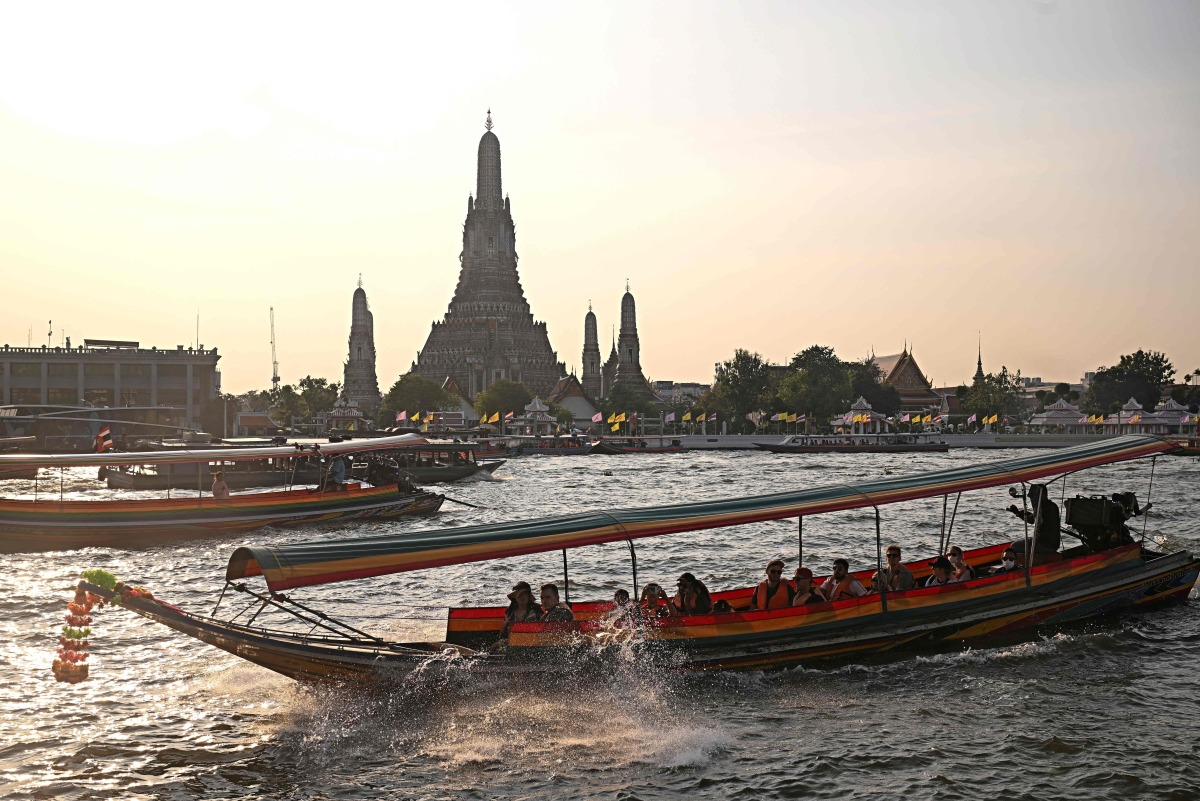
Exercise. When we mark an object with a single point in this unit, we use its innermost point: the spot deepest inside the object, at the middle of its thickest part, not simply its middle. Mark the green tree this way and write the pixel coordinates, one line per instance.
(742, 385)
(866, 381)
(562, 414)
(997, 393)
(256, 400)
(820, 387)
(1138, 375)
(624, 398)
(216, 416)
(318, 395)
(286, 404)
(502, 396)
(413, 393)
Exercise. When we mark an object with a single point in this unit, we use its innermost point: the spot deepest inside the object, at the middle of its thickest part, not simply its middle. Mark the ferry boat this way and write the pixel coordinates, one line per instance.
(549, 445)
(1050, 589)
(623, 445)
(442, 462)
(48, 521)
(857, 443)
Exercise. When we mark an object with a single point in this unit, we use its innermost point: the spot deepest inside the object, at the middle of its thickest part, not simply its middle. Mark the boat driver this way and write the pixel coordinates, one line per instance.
(554, 610)
(1044, 514)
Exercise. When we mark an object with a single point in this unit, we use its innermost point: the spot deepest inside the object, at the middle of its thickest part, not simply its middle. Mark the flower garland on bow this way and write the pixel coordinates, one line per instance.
(71, 666)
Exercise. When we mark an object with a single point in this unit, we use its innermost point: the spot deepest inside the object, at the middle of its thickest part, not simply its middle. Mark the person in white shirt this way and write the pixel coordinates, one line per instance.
(943, 573)
(841, 585)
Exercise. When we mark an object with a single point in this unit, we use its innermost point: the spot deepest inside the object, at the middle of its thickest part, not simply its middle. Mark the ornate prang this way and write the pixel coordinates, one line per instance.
(488, 124)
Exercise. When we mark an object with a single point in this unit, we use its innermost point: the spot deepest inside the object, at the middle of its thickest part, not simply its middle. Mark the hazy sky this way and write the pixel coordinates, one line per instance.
(766, 175)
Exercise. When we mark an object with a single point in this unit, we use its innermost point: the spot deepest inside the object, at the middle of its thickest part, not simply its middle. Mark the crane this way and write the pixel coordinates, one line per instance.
(274, 361)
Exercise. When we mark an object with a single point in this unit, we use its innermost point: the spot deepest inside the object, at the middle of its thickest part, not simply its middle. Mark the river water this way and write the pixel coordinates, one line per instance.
(1105, 709)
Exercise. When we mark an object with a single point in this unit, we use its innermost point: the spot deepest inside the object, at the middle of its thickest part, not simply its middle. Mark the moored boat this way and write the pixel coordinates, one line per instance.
(623, 445)
(442, 462)
(857, 443)
(1049, 590)
(550, 445)
(51, 522)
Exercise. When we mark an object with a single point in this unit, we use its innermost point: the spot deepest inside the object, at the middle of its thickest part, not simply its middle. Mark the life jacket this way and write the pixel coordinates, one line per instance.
(780, 599)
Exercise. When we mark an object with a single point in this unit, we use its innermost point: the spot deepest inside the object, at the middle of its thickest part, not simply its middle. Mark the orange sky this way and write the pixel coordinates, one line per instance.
(767, 176)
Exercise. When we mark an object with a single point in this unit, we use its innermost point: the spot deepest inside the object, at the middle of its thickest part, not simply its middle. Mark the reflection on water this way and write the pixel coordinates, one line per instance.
(165, 717)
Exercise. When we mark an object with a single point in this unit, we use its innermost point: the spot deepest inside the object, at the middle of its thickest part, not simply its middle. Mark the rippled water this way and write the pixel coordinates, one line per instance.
(1104, 710)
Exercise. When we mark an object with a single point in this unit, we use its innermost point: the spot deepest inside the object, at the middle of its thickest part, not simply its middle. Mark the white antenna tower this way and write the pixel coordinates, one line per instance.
(274, 361)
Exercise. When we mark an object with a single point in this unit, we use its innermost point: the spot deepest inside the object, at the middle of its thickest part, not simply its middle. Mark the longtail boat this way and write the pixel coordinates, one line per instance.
(1048, 590)
(856, 443)
(549, 445)
(51, 522)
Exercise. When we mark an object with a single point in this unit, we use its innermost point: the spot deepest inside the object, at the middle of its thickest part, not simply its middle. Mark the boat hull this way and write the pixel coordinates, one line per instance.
(29, 526)
(444, 474)
(607, 448)
(923, 447)
(234, 479)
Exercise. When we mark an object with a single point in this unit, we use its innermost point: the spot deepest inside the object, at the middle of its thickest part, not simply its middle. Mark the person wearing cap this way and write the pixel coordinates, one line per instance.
(841, 585)
(895, 576)
(220, 489)
(691, 597)
(943, 573)
(772, 592)
(806, 593)
(554, 610)
(521, 608)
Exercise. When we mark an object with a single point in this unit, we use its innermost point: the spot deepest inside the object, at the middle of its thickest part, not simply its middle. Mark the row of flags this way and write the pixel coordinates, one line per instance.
(416, 418)
(926, 420)
(787, 417)
(985, 420)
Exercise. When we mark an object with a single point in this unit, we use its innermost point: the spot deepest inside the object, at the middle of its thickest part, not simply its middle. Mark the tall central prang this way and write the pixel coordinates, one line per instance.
(489, 333)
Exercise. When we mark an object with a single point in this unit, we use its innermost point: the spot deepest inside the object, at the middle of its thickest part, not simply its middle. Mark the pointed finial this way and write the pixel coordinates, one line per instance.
(488, 124)
(589, 304)
(360, 280)
(626, 284)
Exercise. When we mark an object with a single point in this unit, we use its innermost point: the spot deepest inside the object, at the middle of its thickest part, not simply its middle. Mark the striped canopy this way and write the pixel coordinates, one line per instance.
(301, 564)
(184, 456)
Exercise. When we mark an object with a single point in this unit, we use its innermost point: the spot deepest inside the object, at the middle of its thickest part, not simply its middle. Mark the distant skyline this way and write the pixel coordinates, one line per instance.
(767, 176)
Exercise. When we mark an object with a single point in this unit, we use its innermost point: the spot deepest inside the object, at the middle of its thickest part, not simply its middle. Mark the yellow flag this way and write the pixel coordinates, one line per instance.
(620, 418)
(612, 418)
(927, 419)
(495, 418)
(616, 427)
(687, 416)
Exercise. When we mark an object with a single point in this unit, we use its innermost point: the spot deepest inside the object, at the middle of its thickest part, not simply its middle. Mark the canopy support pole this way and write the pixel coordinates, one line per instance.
(942, 536)
(800, 542)
(950, 529)
(633, 560)
(566, 581)
(60, 492)
(883, 588)
(1149, 492)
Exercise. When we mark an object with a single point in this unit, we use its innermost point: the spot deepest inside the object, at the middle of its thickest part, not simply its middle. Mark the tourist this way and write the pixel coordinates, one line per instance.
(554, 610)
(962, 571)
(841, 585)
(806, 593)
(691, 597)
(895, 576)
(1008, 562)
(652, 595)
(521, 608)
(943, 573)
(623, 608)
(220, 490)
(772, 592)
(1045, 517)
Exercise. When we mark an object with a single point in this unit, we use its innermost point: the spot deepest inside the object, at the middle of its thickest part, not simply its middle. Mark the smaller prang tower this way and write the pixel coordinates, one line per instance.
(359, 383)
(592, 381)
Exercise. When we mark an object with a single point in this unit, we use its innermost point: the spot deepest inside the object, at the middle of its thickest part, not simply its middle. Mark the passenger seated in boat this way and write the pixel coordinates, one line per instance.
(649, 603)
(623, 608)
(554, 610)
(691, 598)
(943, 573)
(521, 608)
(220, 490)
(1008, 563)
(841, 585)
(962, 571)
(895, 576)
(806, 593)
(772, 592)
(1047, 531)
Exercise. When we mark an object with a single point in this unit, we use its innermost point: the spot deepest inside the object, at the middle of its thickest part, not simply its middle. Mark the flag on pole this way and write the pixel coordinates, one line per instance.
(616, 426)
(904, 419)
(495, 418)
(620, 418)
(104, 441)
(598, 417)
(670, 418)
(927, 419)
(775, 418)
(687, 417)
(712, 418)
(401, 416)
(508, 416)
(971, 419)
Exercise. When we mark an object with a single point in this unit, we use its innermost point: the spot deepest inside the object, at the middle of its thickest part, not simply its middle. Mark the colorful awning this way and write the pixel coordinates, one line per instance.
(182, 456)
(307, 564)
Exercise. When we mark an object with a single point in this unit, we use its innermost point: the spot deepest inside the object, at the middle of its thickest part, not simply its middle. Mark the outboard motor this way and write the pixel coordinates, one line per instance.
(1100, 520)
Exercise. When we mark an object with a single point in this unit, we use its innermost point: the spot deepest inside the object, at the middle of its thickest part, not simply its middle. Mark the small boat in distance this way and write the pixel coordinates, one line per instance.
(1109, 571)
(440, 462)
(549, 445)
(669, 443)
(857, 443)
(12, 445)
(48, 521)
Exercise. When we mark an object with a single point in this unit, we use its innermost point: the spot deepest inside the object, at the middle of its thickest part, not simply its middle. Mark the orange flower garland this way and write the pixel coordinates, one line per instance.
(73, 644)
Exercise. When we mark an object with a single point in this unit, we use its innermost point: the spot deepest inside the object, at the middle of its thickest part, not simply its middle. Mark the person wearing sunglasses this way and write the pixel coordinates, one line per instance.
(895, 576)
(772, 592)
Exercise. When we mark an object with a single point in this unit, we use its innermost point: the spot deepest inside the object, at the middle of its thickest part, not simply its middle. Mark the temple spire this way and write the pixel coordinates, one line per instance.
(488, 124)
